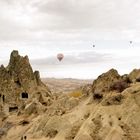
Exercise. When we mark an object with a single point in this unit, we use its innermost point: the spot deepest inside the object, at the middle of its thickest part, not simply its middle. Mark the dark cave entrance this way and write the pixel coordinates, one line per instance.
(13, 109)
(97, 96)
(24, 95)
(3, 98)
(18, 83)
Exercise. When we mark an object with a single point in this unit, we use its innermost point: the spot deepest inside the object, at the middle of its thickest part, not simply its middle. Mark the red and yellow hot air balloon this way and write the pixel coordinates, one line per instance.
(60, 56)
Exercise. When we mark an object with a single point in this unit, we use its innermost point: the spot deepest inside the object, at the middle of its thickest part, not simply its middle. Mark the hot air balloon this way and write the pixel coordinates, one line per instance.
(60, 56)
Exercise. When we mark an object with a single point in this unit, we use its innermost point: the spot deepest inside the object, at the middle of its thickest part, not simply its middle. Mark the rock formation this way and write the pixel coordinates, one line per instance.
(135, 75)
(110, 81)
(104, 81)
(19, 82)
(36, 114)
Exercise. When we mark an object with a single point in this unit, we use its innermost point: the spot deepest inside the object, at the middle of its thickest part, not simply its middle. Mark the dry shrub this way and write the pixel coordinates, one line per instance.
(97, 96)
(76, 93)
(119, 86)
(52, 133)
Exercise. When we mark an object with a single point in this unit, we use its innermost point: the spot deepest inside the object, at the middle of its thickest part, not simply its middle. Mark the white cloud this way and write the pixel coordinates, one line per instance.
(41, 29)
(39, 19)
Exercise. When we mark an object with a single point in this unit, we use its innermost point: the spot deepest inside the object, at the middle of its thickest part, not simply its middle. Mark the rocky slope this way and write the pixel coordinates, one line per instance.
(109, 109)
(21, 89)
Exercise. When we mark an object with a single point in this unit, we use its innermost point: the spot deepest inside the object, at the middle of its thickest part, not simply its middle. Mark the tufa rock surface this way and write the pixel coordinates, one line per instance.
(105, 80)
(110, 81)
(134, 76)
(18, 81)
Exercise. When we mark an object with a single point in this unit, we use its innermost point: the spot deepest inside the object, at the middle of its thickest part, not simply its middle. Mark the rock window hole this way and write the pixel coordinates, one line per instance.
(24, 95)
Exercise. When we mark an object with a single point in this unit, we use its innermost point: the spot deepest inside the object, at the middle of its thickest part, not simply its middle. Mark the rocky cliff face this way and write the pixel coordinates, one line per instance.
(111, 81)
(103, 82)
(135, 75)
(18, 80)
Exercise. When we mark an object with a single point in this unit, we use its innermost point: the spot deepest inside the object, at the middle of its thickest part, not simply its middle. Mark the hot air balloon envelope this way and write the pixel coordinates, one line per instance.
(60, 56)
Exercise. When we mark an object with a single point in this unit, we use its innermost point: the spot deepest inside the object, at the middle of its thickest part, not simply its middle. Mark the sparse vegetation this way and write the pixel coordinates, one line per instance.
(52, 133)
(119, 86)
(76, 93)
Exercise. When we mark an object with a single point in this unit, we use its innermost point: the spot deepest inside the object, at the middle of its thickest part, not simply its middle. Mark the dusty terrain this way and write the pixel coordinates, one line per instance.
(86, 120)
(106, 109)
(65, 85)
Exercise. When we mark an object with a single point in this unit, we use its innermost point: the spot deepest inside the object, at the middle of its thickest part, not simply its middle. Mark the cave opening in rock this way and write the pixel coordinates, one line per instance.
(24, 95)
(3, 98)
(18, 83)
(97, 96)
(13, 109)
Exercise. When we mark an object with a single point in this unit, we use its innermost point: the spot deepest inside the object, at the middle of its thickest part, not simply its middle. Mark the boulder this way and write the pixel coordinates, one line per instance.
(134, 75)
(103, 82)
(34, 108)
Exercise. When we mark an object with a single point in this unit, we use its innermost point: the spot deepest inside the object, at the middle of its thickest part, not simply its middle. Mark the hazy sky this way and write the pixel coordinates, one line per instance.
(43, 28)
